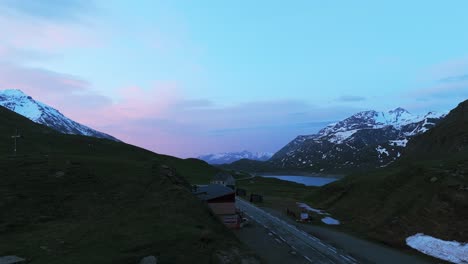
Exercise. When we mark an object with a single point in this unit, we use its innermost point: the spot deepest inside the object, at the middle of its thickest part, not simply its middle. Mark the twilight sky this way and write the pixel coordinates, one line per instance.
(194, 77)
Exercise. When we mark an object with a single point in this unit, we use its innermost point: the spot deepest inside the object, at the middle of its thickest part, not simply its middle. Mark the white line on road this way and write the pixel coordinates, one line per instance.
(308, 244)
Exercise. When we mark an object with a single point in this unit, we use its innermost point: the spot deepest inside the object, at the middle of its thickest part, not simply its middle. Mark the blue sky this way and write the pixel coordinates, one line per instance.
(193, 77)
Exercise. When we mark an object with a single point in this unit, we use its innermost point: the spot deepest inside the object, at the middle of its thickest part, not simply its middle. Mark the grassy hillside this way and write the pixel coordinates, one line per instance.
(426, 191)
(74, 199)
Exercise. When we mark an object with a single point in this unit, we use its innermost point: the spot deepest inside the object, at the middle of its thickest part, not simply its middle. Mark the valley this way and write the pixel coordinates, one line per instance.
(386, 204)
(419, 193)
(233, 132)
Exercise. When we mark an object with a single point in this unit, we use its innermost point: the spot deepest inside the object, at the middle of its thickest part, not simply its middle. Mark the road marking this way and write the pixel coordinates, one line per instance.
(307, 242)
(348, 257)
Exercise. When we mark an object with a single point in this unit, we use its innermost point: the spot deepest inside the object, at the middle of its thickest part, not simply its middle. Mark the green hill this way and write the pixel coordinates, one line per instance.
(76, 199)
(426, 191)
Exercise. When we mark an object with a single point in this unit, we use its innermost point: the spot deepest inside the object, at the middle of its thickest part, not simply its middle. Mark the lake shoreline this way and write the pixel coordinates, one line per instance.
(304, 174)
(305, 180)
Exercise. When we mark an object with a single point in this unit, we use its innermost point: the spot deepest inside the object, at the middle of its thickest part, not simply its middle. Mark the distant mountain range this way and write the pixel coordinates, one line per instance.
(21, 103)
(229, 157)
(367, 139)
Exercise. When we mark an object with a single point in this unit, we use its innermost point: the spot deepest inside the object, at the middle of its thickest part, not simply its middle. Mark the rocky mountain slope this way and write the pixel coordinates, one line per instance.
(25, 105)
(425, 191)
(229, 157)
(364, 140)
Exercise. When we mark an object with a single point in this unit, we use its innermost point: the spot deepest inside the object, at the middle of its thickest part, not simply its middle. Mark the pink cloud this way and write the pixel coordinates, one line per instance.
(68, 93)
(35, 79)
(161, 118)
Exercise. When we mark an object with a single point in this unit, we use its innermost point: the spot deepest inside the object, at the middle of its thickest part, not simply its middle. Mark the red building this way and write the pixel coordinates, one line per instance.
(222, 201)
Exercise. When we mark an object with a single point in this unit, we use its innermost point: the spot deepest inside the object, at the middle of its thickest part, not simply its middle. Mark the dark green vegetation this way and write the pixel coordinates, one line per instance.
(75, 199)
(425, 191)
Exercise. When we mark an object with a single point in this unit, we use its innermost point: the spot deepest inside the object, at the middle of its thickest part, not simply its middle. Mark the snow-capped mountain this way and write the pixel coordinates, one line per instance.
(229, 157)
(25, 105)
(368, 138)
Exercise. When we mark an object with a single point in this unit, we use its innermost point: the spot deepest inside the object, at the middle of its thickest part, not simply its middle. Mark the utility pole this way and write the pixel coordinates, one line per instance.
(15, 137)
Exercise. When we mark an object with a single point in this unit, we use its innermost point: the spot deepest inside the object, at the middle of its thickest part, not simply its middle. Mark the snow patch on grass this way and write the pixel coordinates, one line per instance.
(382, 150)
(330, 221)
(452, 251)
(399, 142)
(308, 208)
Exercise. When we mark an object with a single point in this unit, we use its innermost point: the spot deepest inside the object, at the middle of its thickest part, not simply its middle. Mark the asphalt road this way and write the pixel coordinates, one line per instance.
(310, 247)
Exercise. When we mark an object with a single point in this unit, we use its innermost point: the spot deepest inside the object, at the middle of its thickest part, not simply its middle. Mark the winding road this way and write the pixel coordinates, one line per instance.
(310, 247)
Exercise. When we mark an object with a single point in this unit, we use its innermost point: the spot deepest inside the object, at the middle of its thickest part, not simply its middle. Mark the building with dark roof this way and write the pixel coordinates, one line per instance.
(222, 201)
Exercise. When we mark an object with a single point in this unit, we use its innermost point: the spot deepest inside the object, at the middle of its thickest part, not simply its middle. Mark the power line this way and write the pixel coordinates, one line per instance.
(15, 137)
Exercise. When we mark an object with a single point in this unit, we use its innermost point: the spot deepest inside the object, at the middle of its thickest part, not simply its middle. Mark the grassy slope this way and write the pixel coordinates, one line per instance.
(75, 199)
(194, 170)
(426, 191)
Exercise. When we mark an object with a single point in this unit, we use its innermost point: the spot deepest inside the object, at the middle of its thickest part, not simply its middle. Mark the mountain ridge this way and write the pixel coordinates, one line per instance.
(229, 157)
(365, 140)
(38, 112)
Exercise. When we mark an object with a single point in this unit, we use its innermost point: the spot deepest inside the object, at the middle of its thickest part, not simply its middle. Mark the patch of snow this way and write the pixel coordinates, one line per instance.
(17, 101)
(309, 208)
(381, 150)
(339, 137)
(11, 260)
(452, 251)
(399, 142)
(330, 221)
(400, 117)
